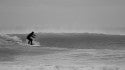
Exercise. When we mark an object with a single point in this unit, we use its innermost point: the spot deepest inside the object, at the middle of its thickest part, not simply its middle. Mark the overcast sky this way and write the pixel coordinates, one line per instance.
(103, 16)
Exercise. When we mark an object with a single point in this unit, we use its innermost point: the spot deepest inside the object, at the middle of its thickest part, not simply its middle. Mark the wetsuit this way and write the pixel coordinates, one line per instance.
(30, 38)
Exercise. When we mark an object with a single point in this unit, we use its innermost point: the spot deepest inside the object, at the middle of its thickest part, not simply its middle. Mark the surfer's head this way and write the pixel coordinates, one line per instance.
(32, 32)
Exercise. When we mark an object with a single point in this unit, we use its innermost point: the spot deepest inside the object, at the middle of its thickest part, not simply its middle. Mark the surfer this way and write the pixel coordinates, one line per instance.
(30, 38)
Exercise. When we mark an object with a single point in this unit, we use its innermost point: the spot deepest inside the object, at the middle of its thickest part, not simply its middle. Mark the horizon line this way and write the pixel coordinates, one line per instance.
(68, 33)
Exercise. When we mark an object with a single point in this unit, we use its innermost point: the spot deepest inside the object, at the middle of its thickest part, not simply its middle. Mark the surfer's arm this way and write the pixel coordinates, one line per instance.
(33, 36)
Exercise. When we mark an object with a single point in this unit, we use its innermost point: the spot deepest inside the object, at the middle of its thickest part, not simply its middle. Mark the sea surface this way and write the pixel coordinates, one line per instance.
(63, 51)
(79, 40)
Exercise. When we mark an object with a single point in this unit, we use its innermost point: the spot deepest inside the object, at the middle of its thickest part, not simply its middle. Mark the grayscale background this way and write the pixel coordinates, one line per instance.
(98, 16)
(70, 34)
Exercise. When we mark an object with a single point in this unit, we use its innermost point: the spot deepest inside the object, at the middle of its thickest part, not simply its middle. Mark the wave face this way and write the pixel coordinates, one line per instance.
(79, 40)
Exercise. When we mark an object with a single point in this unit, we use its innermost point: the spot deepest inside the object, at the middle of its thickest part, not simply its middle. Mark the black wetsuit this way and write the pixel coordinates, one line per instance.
(30, 38)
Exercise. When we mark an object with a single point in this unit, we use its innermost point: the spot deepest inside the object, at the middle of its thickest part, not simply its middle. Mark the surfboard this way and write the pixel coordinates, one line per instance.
(33, 45)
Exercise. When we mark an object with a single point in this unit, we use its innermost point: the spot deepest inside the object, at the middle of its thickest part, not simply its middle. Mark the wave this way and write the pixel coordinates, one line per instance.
(59, 67)
(9, 40)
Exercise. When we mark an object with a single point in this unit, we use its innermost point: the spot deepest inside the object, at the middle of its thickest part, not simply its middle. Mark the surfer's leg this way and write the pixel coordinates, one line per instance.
(28, 41)
(31, 41)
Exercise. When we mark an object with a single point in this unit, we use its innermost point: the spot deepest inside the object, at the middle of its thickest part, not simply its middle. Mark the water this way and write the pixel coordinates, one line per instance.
(80, 40)
(80, 52)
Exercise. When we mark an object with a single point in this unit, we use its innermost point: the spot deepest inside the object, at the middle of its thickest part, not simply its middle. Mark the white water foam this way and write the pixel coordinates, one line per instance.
(56, 67)
(16, 39)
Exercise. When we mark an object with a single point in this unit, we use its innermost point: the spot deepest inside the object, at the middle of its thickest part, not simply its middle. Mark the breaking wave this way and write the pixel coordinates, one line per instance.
(14, 39)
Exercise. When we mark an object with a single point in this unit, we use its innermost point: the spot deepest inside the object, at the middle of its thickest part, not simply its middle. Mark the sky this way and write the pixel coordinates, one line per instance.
(93, 16)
